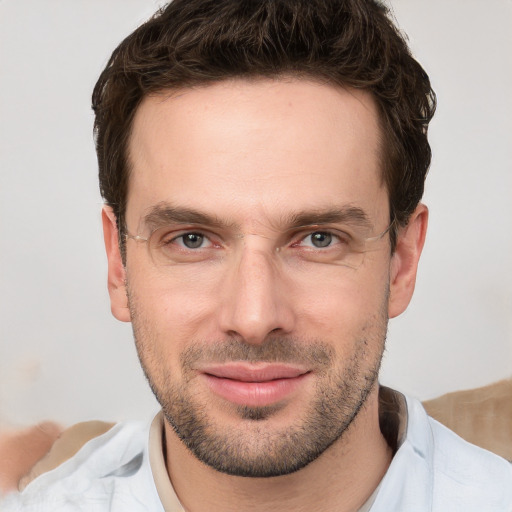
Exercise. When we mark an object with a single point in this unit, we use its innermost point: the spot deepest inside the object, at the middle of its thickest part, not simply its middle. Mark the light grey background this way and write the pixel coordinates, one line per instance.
(63, 356)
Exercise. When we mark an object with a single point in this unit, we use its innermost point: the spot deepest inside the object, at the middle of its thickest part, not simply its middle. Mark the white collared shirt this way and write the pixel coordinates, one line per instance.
(123, 470)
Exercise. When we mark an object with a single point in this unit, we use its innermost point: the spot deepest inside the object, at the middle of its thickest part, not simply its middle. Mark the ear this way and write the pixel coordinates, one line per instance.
(116, 270)
(404, 262)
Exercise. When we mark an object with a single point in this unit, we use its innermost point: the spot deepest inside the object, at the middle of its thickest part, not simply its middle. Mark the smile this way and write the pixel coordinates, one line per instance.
(254, 385)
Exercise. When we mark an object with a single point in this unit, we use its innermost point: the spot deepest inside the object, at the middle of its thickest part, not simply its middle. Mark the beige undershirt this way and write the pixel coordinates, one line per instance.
(392, 404)
(163, 484)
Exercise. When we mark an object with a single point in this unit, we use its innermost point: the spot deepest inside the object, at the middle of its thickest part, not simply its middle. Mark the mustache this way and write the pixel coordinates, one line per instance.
(276, 349)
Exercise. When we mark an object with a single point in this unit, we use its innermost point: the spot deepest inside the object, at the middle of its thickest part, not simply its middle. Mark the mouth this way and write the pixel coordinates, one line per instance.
(254, 385)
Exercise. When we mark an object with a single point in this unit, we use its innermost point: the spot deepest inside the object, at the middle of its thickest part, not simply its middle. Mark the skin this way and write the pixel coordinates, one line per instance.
(252, 155)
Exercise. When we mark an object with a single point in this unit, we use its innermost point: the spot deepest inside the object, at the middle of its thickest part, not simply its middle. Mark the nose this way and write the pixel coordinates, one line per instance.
(255, 299)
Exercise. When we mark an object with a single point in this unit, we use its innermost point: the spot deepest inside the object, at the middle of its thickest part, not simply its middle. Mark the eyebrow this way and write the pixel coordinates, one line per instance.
(346, 215)
(165, 213)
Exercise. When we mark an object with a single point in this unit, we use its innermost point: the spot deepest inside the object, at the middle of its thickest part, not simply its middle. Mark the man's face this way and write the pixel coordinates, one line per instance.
(259, 313)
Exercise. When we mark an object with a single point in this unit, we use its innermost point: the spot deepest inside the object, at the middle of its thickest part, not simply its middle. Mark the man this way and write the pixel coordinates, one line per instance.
(262, 165)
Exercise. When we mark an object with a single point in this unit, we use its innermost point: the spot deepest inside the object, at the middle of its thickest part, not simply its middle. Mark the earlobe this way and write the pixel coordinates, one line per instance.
(404, 262)
(116, 270)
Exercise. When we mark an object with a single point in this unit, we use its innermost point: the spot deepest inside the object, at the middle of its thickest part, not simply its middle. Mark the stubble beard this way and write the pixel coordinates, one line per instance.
(255, 448)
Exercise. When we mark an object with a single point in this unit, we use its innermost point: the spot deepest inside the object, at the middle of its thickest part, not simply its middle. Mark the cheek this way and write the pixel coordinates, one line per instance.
(172, 305)
(341, 306)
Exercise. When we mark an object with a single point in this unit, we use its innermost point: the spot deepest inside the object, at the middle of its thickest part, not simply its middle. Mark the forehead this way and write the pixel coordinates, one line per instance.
(254, 148)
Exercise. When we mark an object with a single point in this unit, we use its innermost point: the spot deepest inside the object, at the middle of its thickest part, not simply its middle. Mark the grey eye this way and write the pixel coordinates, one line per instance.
(321, 239)
(192, 240)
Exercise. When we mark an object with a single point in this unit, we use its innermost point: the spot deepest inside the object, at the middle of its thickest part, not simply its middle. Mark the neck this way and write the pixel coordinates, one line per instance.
(341, 479)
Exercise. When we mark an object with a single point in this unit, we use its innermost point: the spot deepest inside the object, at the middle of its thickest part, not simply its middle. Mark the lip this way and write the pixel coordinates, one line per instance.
(254, 385)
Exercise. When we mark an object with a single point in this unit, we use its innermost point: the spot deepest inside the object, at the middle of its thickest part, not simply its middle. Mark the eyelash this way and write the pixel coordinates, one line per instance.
(337, 237)
(175, 239)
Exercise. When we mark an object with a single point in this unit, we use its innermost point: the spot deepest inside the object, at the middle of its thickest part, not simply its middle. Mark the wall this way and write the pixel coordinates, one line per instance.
(63, 356)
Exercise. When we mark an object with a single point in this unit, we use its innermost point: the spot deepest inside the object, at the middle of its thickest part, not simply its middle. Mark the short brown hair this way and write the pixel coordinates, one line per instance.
(351, 43)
